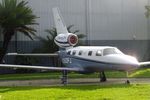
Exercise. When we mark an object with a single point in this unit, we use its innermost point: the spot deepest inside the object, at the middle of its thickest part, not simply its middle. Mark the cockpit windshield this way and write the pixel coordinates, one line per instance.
(108, 51)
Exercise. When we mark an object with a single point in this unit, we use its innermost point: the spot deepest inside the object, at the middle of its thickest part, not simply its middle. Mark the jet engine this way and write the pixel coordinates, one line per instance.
(66, 40)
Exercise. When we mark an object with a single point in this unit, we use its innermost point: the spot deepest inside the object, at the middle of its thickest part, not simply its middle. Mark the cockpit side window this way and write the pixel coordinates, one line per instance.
(89, 53)
(108, 51)
(69, 52)
(80, 52)
(99, 53)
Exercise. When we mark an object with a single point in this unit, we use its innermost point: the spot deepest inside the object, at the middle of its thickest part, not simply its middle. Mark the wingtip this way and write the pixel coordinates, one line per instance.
(12, 53)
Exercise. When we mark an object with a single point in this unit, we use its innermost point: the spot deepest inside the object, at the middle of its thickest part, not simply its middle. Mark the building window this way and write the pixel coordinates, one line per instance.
(99, 53)
(74, 52)
(80, 52)
(69, 52)
(90, 53)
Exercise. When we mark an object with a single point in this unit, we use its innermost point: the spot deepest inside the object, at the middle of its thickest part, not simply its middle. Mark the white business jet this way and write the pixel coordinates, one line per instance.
(83, 59)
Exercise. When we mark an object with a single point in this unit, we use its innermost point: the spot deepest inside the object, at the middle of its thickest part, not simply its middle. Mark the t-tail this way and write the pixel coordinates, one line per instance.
(64, 39)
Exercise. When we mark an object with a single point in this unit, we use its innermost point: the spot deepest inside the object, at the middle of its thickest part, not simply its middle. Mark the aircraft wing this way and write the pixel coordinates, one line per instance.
(34, 54)
(40, 67)
(144, 63)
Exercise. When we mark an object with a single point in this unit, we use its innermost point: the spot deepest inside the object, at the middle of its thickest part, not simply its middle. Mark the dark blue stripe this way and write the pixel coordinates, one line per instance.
(89, 60)
(61, 42)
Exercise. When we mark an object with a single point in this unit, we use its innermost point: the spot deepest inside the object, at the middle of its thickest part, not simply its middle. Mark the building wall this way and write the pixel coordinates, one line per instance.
(99, 19)
(118, 20)
(73, 12)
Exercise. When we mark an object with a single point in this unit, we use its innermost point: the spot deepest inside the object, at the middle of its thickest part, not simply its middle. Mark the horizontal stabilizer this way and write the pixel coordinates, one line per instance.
(40, 67)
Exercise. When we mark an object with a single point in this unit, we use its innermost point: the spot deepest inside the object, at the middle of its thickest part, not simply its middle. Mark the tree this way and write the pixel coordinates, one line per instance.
(147, 13)
(15, 17)
(48, 43)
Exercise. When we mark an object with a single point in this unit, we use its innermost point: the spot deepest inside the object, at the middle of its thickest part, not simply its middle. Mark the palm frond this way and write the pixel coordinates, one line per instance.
(41, 39)
(147, 13)
(80, 36)
(69, 28)
(52, 33)
(76, 31)
(28, 29)
(25, 33)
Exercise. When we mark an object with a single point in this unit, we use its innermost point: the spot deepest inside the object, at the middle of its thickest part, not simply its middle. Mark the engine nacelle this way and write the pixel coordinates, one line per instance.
(66, 40)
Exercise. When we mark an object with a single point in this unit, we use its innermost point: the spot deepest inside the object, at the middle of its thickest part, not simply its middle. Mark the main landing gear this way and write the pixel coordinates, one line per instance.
(127, 81)
(64, 78)
(102, 77)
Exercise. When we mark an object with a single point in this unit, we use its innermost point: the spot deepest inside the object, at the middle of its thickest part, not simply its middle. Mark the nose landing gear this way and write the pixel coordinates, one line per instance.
(64, 79)
(102, 77)
(127, 81)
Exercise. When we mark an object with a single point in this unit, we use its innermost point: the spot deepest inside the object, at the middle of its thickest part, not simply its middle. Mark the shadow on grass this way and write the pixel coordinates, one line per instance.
(69, 87)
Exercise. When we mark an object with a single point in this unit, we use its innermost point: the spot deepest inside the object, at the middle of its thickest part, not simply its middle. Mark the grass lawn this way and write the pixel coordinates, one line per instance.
(51, 75)
(78, 92)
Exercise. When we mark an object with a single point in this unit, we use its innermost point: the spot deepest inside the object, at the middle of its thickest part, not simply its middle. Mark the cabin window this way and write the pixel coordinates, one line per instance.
(80, 52)
(69, 52)
(99, 53)
(74, 52)
(90, 53)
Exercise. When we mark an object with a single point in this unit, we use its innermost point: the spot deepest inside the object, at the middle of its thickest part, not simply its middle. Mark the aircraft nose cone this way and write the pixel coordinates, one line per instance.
(125, 62)
(131, 60)
(124, 59)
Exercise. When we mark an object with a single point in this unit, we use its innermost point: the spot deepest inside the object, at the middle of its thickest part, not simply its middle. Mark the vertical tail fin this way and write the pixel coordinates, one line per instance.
(64, 39)
(59, 23)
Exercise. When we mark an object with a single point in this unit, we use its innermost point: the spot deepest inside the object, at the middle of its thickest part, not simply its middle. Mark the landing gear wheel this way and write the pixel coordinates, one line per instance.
(103, 77)
(127, 82)
(64, 78)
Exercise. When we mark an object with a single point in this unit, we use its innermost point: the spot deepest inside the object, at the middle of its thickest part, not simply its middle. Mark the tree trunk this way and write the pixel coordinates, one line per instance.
(4, 48)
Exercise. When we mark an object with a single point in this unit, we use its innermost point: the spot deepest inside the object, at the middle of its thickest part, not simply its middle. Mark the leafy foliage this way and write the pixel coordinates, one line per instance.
(21, 60)
(15, 17)
(48, 43)
(147, 13)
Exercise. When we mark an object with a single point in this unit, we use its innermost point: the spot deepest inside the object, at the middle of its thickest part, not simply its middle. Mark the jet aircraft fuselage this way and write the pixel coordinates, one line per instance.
(98, 58)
